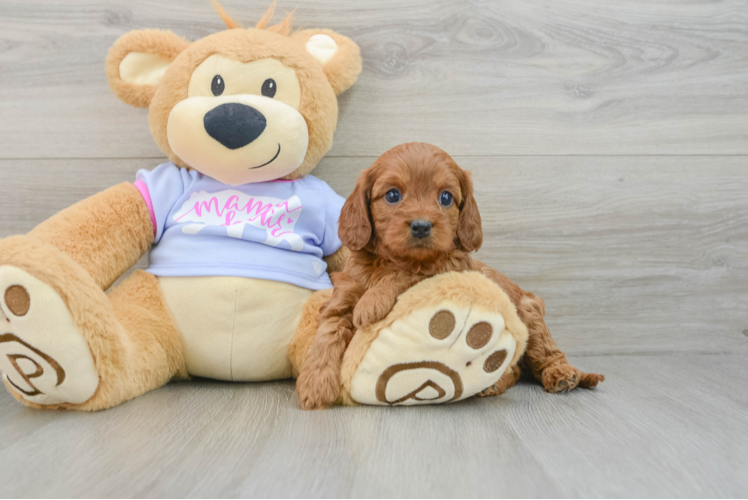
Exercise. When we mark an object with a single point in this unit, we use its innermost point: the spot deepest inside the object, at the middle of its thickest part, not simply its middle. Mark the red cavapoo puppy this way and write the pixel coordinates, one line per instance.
(411, 216)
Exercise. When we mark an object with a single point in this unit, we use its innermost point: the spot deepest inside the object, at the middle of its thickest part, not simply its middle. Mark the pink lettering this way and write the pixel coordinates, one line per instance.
(233, 208)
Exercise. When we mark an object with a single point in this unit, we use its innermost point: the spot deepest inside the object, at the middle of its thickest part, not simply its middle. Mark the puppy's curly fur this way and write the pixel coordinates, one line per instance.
(412, 215)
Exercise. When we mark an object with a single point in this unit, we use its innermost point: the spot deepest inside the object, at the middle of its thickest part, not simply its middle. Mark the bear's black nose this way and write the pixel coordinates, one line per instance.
(234, 125)
(420, 228)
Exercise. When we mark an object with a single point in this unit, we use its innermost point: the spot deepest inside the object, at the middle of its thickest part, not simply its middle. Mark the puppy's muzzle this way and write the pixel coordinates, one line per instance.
(234, 125)
(420, 228)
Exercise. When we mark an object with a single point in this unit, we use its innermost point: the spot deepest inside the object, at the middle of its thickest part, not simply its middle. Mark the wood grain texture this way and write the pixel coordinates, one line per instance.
(609, 146)
(562, 77)
(668, 426)
(631, 254)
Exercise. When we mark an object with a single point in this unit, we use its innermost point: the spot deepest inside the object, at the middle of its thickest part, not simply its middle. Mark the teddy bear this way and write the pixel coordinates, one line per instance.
(241, 239)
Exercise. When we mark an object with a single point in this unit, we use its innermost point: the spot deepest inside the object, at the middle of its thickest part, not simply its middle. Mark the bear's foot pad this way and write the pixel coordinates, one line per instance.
(43, 357)
(434, 355)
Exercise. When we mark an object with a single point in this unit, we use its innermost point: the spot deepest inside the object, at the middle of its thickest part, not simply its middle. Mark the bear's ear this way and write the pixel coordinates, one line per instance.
(339, 56)
(137, 62)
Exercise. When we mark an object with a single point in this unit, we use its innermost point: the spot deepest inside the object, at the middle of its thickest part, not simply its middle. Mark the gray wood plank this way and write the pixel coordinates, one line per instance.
(642, 259)
(16, 422)
(567, 77)
(660, 426)
(631, 254)
(652, 432)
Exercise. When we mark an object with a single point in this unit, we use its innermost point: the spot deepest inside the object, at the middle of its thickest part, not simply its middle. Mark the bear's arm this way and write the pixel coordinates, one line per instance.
(106, 233)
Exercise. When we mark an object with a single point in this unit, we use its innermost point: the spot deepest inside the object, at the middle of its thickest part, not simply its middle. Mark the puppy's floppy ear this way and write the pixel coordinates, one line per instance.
(137, 62)
(339, 56)
(469, 231)
(354, 226)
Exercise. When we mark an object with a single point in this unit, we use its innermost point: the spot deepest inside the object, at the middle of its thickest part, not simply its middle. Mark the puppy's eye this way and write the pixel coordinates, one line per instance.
(269, 88)
(217, 85)
(393, 196)
(445, 199)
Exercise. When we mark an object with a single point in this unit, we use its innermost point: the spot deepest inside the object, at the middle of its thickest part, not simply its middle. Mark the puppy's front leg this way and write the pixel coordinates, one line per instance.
(379, 300)
(318, 384)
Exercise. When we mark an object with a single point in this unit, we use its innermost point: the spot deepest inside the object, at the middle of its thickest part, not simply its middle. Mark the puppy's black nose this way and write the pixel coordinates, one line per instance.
(234, 125)
(420, 228)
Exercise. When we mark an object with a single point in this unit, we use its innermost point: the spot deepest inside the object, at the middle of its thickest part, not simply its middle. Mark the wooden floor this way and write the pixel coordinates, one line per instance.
(609, 143)
(662, 426)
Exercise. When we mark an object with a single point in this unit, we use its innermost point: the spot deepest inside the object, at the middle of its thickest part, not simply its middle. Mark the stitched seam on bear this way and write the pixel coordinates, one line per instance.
(233, 332)
(463, 327)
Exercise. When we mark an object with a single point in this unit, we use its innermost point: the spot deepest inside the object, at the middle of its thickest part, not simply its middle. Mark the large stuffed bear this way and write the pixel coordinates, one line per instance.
(243, 240)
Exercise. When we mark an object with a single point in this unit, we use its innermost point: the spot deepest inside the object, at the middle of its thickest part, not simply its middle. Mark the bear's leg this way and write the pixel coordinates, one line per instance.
(447, 339)
(65, 344)
(151, 343)
(306, 330)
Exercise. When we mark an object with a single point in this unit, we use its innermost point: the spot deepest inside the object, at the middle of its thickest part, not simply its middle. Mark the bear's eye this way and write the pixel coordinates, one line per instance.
(217, 85)
(445, 199)
(269, 87)
(393, 196)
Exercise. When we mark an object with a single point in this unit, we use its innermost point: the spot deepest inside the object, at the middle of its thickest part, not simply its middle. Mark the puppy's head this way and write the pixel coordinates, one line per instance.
(415, 203)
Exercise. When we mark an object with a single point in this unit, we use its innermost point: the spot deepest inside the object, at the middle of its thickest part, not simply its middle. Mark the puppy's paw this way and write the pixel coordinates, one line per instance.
(590, 380)
(509, 379)
(560, 378)
(369, 310)
(362, 318)
(493, 391)
(318, 387)
(564, 378)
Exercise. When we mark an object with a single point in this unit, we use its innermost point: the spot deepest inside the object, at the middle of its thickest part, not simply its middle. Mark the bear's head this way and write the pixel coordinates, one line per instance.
(241, 105)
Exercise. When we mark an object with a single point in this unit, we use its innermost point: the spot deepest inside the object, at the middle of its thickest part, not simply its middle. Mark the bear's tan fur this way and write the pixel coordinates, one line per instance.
(81, 251)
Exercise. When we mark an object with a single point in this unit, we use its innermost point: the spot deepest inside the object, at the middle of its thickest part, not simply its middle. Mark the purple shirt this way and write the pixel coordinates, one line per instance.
(277, 230)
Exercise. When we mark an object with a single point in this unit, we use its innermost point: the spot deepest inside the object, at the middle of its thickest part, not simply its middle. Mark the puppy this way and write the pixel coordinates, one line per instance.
(412, 215)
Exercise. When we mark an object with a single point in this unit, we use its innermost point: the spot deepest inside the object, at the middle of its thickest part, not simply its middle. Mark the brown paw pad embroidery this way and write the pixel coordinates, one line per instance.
(442, 324)
(494, 361)
(17, 299)
(38, 337)
(30, 365)
(36, 357)
(439, 376)
(428, 391)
